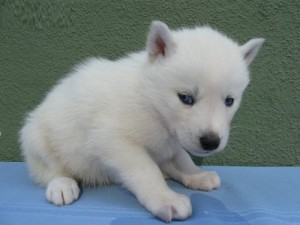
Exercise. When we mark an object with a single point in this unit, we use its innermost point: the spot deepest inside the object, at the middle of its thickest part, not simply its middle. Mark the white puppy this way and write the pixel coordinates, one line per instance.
(131, 121)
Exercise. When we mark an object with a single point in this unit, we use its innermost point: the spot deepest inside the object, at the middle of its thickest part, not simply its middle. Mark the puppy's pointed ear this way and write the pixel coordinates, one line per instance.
(159, 40)
(251, 48)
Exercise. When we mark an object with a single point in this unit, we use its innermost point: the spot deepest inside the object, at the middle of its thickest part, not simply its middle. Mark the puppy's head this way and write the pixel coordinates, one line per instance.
(194, 80)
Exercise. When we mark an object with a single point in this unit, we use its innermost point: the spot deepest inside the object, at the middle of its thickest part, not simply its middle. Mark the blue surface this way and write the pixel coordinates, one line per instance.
(248, 196)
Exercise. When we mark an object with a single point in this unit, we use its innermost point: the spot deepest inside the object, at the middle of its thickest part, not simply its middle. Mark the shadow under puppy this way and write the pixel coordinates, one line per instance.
(133, 120)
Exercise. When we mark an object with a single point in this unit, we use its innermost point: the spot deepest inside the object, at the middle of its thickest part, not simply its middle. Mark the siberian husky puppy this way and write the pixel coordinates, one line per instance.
(132, 121)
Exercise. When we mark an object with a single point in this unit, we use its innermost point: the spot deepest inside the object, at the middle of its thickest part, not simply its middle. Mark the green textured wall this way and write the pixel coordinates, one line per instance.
(40, 40)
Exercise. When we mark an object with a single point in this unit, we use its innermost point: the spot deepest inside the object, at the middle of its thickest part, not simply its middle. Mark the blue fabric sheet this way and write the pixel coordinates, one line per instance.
(248, 196)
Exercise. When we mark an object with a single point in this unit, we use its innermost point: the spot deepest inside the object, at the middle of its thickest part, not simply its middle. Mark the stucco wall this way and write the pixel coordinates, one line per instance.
(40, 40)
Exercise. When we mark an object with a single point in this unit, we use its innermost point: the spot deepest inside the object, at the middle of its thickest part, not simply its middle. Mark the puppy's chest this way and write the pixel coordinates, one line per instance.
(163, 151)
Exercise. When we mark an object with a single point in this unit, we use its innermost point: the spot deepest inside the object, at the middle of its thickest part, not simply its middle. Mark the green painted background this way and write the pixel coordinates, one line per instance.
(40, 40)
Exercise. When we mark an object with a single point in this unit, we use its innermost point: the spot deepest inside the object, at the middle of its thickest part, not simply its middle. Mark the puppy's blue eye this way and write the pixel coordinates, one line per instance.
(229, 101)
(186, 98)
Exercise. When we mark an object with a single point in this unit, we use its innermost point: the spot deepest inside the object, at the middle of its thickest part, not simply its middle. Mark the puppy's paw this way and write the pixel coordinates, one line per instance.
(172, 206)
(62, 191)
(204, 180)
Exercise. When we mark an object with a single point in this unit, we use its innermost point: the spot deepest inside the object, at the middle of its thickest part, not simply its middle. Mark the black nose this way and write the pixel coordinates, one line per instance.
(210, 141)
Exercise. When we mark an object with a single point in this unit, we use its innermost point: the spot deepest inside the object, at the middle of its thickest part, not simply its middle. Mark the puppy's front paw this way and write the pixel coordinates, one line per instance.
(62, 191)
(204, 180)
(171, 206)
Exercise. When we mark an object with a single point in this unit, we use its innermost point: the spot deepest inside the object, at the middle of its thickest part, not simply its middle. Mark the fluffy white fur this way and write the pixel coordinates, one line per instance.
(123, 121)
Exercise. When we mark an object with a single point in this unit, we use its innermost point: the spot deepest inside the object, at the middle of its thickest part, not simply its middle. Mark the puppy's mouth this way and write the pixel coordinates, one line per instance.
(201, 152)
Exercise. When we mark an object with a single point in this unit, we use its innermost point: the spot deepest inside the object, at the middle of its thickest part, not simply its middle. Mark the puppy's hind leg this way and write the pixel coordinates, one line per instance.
(45, 170)
(61, 188)
(62, 191)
